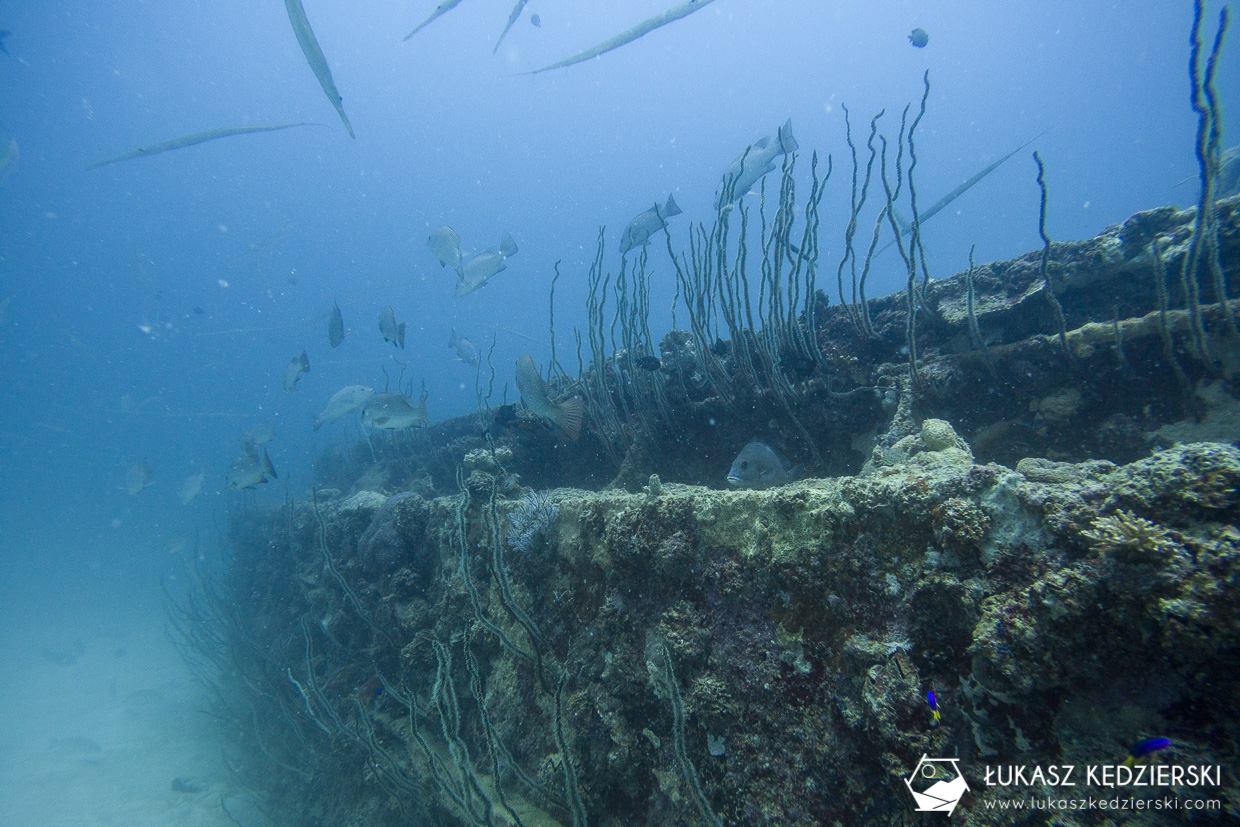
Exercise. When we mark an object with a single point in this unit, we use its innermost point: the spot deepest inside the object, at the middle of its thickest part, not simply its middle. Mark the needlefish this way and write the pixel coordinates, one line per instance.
(440, 10)
(937, 206)
(512, 19)
(314, 56)
(629, 35)
(196, 138)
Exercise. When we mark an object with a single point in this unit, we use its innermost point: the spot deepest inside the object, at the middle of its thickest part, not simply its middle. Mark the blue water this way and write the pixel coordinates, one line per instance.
(105, 363)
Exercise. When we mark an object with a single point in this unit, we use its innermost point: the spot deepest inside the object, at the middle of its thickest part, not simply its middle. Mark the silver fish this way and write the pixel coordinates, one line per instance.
(392, 332)
(192, 487)
(647, 224)
(443, 8)
(566, 416)
(191, 140)
(757, 160)
(446, 245)
(480, 268)
(250, 470)
(138, 477)
(513, 16)
(343, 402)
(465, 350)
(296, 367)
(335, 326)
(629, 35)
(315, 57)
(394, 412)
(758, 465)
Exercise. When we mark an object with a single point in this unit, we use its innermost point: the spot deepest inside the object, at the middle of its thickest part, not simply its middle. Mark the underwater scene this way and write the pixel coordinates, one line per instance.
(668, 412)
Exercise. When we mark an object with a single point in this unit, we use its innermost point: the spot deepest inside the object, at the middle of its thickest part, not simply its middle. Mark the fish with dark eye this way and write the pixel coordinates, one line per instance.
(250, 470)
(758, 465)
(919, 37)
(465, 350)
(1145, 748)
(639, 230)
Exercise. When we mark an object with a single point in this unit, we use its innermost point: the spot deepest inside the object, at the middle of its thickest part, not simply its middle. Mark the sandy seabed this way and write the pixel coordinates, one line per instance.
(99, 716)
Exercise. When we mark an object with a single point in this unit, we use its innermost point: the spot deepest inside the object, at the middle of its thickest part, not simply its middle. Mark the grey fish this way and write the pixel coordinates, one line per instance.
(480, 268)
(335, 326)
(629, 35)
(440, 10)
(758, 465)
(566, 416)
(343, 402)
(465, 350)
(314, 56)
(192, 487)
(446, 245)
(256, 435)
(250, 470)
(919, 37)
(296, 367)
(394, 412)
(392, 332)
(138, 477)
(191, 140)
(757, 160)
(647, 224)
(512, 18)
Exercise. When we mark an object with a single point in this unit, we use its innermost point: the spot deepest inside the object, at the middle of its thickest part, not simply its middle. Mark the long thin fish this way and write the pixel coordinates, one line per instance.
(440, 10)
(191, 140)
(629, 35)
(314, 56)
(937, 206)
(512, 19)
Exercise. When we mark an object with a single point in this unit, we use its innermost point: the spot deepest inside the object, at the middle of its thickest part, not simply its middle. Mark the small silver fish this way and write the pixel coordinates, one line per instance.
(192, 487)
(757, 160)
(394, 412)
(335, 326)
(480, 268)
(566, 416)
(446, 245)
(392, 332)
(296, 367)
(758, 465)
(138, 477)
(465, 350)
(343, 402)
(250, 470)
(647, 224)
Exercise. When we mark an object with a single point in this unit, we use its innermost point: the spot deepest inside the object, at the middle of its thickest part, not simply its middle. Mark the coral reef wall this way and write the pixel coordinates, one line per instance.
(681, 656)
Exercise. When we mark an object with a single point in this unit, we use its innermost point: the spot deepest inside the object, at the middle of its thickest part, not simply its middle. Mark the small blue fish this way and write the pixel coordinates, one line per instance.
(1145, 748)
(919, 37)
(934, 708)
